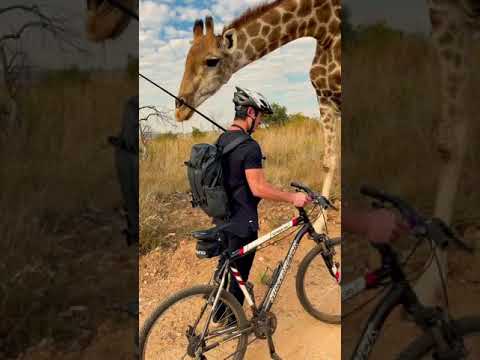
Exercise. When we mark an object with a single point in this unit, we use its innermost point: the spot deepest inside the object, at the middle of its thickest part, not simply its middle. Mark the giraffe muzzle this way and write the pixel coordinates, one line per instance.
(179, 102)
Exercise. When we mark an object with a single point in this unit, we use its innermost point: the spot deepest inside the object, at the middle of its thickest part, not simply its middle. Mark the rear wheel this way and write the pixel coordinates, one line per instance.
(423, 347)
(318, 291)
(174, 328)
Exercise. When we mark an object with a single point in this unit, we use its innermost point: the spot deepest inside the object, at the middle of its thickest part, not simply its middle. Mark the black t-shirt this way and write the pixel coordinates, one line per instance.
(244, 204)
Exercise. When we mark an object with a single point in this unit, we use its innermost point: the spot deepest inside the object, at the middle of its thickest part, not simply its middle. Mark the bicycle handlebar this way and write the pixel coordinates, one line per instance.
(317, 198)
(434, 228)
(409, 213)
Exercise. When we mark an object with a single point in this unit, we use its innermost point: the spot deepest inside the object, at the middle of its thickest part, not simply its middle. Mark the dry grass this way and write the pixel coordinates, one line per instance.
(54, 165)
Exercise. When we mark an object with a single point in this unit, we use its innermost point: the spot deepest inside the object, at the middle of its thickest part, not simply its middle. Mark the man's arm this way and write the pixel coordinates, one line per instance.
(261, 188)
(378, 226)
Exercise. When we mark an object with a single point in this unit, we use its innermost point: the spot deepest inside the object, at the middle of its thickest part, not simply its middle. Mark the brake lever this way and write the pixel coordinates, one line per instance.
(449, 233)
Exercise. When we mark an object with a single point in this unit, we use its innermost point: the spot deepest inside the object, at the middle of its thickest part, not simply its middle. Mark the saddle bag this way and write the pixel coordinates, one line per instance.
(210, 243)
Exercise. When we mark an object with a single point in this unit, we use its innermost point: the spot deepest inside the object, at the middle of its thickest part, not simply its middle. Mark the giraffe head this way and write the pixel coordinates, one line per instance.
(104, 21)
(208, 66)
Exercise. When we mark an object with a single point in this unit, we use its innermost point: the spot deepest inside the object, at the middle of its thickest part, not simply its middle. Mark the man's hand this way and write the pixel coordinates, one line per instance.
(299, 199)
(382, 226)
(262, 189)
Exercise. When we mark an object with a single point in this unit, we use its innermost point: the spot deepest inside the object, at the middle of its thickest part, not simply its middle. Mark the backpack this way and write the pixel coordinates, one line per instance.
(205, 175)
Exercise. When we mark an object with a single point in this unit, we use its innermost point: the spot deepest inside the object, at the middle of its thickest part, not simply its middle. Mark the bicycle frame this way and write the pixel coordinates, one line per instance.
(273, 290)
(400, 293)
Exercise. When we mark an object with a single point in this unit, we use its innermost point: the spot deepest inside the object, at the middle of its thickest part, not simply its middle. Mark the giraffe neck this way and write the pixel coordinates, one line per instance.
(286, 22)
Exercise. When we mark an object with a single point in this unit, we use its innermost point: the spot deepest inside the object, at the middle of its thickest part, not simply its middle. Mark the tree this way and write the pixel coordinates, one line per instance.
(279, 116)
(196, 132)
(13, 61)
(145, 129)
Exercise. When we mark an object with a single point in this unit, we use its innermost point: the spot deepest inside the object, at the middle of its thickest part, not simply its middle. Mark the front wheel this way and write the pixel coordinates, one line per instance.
(424, 348)
(318, 291)
(174, 330)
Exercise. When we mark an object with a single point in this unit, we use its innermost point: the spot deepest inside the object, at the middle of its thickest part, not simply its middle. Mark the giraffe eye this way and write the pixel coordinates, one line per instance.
(212, 62)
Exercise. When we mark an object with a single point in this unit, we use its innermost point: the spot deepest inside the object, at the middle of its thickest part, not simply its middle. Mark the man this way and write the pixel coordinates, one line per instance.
(246, 183)
(126, 162)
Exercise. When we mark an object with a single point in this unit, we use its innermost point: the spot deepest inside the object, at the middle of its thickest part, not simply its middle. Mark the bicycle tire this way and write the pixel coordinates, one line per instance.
(424, 344)
(206, 290)
(300, 287)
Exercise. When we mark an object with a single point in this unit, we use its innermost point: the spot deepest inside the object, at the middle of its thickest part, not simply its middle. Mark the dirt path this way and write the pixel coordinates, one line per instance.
(84, 311)
(299, 336)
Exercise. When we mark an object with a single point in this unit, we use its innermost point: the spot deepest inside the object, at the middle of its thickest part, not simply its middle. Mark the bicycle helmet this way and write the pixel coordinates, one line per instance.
(243, 98)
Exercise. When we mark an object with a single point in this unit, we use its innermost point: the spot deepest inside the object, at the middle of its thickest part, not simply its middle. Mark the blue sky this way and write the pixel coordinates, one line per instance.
(165, 34)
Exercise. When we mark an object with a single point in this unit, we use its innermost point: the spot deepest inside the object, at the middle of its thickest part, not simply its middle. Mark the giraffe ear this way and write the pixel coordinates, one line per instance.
(229, 40)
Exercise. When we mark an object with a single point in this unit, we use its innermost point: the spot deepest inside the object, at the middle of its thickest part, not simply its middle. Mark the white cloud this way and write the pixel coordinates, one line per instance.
(228, 9)
(184, 13)
(172, 32)
(153, 15)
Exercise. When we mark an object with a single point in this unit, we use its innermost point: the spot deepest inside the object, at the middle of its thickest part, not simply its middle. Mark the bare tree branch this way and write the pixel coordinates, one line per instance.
(56, 26)
(159, 114)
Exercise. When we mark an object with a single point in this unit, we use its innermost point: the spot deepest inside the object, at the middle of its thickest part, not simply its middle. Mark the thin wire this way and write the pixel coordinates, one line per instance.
(182, 102)
(384, 288)
(442, 279)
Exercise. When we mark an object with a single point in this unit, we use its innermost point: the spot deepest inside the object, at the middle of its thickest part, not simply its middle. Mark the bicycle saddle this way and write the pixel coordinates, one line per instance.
(209, 234)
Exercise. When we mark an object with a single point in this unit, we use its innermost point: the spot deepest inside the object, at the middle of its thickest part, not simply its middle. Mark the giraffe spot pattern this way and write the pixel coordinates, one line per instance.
(311, 26)
(286, 17)
(301, 28)
(324, 13)
(241, 40)
(318, 3)
(265, 30)
(274, 35)
(259, 44)
(334, 27)
(290, 5)
(292, 28)
(272, 17)
(254, 28)
(305, 8)
(249, 52)
(273, 45)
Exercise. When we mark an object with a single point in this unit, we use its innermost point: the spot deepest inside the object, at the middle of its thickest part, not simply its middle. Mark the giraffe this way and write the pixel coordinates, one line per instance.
(213, 59)
(105, 21)
(453, 24)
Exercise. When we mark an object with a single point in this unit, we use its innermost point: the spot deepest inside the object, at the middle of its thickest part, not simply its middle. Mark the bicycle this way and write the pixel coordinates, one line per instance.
(443, 337)
(200, 337)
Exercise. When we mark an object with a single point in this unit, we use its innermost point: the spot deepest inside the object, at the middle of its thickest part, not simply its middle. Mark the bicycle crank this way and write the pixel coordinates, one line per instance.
(264, 324)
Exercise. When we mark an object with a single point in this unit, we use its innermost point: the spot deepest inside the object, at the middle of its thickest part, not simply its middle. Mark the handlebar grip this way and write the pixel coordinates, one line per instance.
(372, 192)
(297, 185)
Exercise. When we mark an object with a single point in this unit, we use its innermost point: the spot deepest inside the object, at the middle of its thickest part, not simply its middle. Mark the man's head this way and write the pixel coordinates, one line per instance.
(249, 107)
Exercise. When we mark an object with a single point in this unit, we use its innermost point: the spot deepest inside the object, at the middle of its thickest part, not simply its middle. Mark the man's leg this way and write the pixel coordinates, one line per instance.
(127, 170)
(243, 265)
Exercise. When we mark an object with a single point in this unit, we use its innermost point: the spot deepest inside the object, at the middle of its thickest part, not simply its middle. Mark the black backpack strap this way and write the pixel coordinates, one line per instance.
(233, 144)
